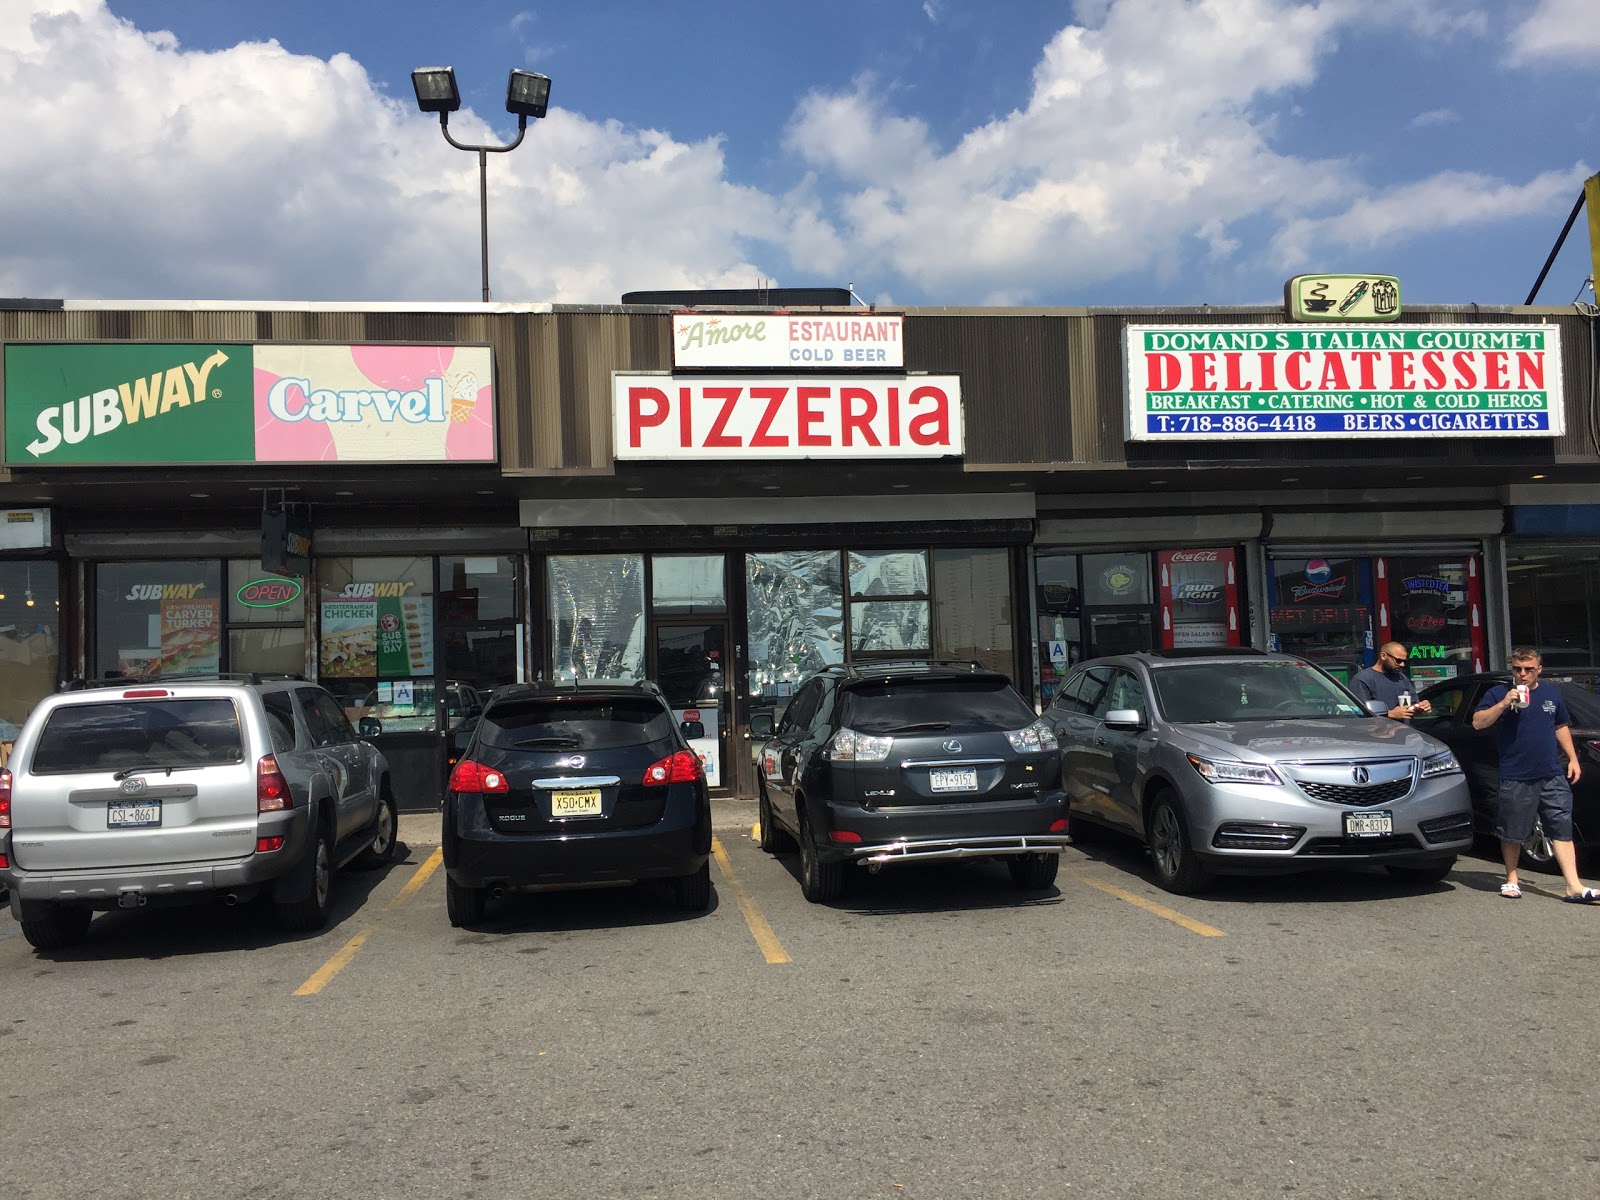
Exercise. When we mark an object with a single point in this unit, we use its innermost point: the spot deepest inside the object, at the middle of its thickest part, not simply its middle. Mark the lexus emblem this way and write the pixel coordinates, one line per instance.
(576, 761)
(952, 747)
(132, 786)
(1359, 774)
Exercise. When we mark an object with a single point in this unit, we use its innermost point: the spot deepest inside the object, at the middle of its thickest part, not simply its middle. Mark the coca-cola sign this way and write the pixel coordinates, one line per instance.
(1196, 556)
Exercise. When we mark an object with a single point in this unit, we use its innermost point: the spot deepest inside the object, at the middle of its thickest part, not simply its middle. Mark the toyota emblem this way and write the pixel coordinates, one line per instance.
(1359, 774)
(575, 762)
(132, 785)
(952, 747)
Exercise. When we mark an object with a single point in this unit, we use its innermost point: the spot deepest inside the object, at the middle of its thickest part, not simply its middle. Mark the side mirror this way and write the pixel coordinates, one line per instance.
(692, 729)
(1124, 718)
(1377, 708)
(760, 725)
(369, 727)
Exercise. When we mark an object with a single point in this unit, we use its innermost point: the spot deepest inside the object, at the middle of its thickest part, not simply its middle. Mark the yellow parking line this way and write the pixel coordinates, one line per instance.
(1160, 910)
(771, 948)
(325, 973)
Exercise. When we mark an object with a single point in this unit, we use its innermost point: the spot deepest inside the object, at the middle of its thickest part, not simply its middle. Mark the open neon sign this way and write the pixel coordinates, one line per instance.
(268, 593)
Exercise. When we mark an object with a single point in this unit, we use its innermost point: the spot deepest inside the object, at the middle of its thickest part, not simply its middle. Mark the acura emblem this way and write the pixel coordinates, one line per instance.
(952, 747)
(132, 785)
(577, 760)
(1359, 774)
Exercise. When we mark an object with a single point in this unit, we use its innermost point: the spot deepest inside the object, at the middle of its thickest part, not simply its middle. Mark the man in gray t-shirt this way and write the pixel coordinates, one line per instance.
(1389, 682)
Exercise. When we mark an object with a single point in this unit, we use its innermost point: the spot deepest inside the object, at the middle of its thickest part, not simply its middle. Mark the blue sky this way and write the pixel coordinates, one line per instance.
(931, 152)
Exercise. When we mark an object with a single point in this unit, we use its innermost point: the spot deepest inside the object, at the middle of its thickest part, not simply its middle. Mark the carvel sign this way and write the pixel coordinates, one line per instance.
(810, 416)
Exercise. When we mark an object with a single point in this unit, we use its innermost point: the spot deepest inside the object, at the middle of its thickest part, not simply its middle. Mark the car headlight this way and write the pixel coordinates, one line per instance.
(849, 746)
(1224, 771)
(1035, 738)
(1440, 764)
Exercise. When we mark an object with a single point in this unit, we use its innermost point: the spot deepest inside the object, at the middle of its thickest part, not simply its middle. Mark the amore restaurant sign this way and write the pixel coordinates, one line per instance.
(827, 340)
(133, 403)
(1293, 381)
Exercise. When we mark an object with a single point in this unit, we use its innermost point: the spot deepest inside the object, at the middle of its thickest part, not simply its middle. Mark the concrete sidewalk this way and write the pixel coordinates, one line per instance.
(731, 813)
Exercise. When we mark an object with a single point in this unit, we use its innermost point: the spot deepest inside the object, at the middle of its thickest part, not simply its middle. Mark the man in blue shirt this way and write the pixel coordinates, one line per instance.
(1533, 737)
(1389, 682)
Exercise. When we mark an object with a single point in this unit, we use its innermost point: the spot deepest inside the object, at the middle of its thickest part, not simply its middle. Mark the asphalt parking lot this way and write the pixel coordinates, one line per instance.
(935, 1034)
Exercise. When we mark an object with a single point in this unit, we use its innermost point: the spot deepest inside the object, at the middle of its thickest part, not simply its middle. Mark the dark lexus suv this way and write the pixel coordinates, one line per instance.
(901, 762)
(564, 783)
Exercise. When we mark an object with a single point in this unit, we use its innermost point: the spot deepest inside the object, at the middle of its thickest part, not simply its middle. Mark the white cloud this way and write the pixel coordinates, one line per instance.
(1557, 29)
(1434, 116)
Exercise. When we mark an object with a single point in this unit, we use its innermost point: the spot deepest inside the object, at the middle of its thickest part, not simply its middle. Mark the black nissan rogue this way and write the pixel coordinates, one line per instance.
(897, 762)
(564, 783)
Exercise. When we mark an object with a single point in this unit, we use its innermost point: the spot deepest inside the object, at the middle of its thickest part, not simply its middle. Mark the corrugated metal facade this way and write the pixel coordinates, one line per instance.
(1040, 388)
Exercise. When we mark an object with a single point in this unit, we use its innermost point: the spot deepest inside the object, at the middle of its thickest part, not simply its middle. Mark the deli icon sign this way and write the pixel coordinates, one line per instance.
(1342, 298)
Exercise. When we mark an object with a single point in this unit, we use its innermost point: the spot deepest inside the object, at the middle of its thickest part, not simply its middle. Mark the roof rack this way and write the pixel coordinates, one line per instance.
(110, 681)
(872, 666)
(1205, 652)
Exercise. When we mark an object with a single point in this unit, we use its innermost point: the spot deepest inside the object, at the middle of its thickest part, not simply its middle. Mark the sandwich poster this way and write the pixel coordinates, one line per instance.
(389, 637)
(191, 637)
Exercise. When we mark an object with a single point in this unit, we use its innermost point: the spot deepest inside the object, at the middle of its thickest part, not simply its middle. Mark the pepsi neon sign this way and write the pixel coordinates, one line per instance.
(268, 593)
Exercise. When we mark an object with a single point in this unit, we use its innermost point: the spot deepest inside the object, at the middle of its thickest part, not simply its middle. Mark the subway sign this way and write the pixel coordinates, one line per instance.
(268, 593)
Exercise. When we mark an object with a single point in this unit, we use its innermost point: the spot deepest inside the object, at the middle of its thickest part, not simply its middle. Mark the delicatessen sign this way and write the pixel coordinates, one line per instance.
(792, 417)
(1298, 381)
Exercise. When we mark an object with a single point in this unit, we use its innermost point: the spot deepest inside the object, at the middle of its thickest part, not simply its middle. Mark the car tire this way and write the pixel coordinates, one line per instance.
(52, 926)
(772, 839)
(1432, 873)
(1034, 872)
(693, 892)
(462, 904)
(820, 882)
(387, 838)
(313, 887)
(1178, 870)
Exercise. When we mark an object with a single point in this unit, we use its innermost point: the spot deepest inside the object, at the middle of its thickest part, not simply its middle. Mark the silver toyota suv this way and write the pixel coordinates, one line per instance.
(121, 794)
(1242, 762)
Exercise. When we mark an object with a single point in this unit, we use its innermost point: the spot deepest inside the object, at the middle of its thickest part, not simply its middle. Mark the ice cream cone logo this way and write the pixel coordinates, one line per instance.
(463, 396)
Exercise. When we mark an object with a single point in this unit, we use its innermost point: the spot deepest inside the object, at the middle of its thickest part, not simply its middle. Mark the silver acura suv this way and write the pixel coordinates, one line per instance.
(1244, 762)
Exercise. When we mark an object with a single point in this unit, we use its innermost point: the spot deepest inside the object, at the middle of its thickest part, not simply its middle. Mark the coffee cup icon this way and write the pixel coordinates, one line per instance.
(1316, 299)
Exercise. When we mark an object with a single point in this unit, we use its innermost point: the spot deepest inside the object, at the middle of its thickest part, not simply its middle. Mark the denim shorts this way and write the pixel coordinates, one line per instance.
(1521, 799)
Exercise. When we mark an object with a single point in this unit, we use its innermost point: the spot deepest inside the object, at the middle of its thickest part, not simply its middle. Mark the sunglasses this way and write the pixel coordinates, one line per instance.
(1399, 662)
(1535, 667)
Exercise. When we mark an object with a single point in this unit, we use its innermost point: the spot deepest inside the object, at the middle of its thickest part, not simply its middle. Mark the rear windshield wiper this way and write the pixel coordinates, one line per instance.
(169, 768)
(557, 742)
(920, 727)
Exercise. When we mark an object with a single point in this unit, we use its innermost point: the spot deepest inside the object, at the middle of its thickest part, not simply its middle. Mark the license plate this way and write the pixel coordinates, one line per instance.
(575, 803)
(132, 814)
(1368, 824)
(955, 779)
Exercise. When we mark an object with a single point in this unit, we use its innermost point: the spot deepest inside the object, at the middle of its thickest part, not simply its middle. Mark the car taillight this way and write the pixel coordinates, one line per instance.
(267, 845)
(5, 798)
(272, 789)
(844, 835)
(470, 776)
(682, 767)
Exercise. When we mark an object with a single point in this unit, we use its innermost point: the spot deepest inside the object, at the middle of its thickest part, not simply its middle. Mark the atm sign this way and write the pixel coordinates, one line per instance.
(268, 593)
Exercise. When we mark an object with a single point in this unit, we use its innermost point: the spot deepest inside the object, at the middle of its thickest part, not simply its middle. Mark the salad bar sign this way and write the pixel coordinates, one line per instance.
(1188, 383)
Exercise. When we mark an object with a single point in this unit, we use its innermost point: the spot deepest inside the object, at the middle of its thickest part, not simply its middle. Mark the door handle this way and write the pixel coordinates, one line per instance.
(1099, 741)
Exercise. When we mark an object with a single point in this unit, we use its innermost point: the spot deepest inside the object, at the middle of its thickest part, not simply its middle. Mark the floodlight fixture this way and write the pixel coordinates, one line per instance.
(436, 89)
(527, 94)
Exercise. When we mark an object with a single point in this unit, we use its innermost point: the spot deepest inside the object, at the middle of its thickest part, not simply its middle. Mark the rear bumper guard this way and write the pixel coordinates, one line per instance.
(876, 857)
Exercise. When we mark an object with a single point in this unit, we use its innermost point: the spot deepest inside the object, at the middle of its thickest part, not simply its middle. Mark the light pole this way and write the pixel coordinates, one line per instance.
(527, 95)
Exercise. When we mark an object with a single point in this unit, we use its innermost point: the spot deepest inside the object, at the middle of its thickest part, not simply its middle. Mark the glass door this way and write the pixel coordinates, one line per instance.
(689, 662)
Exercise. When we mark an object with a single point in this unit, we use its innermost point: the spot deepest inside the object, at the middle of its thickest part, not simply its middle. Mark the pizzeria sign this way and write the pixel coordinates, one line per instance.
(1188, 382)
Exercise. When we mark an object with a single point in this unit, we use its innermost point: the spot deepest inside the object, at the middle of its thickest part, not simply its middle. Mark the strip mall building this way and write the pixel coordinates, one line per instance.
(460, 496)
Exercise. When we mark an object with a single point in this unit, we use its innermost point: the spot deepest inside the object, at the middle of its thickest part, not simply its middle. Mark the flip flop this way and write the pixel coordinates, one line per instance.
(1511, 891)
(1587, 896)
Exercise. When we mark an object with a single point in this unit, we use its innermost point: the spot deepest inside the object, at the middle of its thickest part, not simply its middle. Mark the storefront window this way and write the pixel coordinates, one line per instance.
(1429, 602)
(1116, 579)
(1059, 602)
(1199, 597)
(687, 583)
(30, 639)
(972, 599)
(597, 616)
(1555, 605)
(266, 620)
(1320, 609)
(375, 649)
(889, 611)
(158, 618)
(795, 620)
(480, 587)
